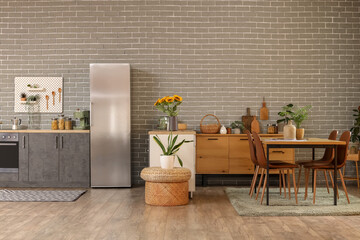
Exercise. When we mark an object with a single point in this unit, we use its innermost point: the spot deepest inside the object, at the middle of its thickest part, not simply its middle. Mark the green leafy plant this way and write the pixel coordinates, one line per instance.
(32, 98)
(300, 115)
(23, 95)
(286, 113)
(172, 147)
(237, 124)
(355, 130)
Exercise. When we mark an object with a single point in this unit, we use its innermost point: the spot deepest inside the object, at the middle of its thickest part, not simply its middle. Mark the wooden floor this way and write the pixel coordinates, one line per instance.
(122, 214)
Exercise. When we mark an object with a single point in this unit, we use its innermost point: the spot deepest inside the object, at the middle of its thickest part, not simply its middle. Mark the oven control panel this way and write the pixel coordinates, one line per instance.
(9, 137)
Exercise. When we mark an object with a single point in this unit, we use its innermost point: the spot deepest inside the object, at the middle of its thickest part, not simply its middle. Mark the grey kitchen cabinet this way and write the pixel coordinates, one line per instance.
(23, 157)
(74, 158)
(43, 157)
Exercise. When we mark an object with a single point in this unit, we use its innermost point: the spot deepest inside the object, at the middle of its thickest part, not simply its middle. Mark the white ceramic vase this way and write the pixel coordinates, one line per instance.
(167, 161)
(223, 130)
(290, 131)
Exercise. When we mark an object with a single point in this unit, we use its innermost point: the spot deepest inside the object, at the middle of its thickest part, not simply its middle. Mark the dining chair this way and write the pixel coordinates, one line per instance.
(327, 158)
(281, 166)
(257, 168)
(329, 166)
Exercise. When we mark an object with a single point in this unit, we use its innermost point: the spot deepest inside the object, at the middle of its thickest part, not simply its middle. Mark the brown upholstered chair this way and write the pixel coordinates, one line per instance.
(281, 166)
(329, 166)
(327, 158)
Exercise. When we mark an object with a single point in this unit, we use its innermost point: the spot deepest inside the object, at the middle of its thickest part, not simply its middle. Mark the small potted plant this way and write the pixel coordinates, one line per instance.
(355, 133)
(238, 126)
(169, 153)
(300, 115)
(32, 99)
(23, 97)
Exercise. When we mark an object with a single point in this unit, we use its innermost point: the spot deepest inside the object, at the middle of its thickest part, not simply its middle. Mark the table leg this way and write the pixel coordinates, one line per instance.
(312, 176)
(268, 174)
(335, 176)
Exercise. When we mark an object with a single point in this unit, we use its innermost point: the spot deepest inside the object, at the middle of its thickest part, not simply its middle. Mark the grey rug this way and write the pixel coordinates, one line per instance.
(279, 206)
(40, 195)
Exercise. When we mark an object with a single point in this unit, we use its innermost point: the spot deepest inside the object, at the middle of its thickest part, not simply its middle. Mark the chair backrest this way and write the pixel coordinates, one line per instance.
(343, 149)
(329, 152)
(252, 148)
(260, 154)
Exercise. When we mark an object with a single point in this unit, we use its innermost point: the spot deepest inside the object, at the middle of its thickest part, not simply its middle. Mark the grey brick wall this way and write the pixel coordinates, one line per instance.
(221, 56)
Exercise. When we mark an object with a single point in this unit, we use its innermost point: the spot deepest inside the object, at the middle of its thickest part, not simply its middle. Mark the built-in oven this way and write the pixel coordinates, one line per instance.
(9, 152)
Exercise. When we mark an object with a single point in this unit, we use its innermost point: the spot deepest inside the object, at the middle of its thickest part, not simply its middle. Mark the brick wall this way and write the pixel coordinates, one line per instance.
(221, 56)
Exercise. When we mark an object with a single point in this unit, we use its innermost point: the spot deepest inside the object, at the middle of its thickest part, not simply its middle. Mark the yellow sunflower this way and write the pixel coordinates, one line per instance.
(177, 98)
(157, 102)
(169, 99)
(162, 100)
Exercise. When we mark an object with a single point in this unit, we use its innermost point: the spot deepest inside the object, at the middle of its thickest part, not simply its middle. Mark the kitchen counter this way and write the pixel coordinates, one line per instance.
(239, 135)
(44, 131)
(181, 132)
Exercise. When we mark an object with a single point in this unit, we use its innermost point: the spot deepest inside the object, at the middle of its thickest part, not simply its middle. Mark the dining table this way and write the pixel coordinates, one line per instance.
(311, 143)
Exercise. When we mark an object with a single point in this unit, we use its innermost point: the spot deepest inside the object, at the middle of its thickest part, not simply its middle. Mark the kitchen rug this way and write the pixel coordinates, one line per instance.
(40, 195)
(279, 206)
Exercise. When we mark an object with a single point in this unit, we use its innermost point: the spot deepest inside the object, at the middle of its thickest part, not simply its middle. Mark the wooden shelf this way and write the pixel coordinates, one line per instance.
(36, 89)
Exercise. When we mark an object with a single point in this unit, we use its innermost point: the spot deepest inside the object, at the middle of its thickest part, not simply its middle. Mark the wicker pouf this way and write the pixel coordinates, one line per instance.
(166, 187)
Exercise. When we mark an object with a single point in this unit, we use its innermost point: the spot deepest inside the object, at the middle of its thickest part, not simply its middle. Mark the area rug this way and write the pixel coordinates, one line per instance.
(279, 206)
(40, 195)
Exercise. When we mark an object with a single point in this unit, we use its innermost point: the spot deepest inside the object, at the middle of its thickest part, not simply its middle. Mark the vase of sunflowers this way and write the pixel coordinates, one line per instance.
(169, 106)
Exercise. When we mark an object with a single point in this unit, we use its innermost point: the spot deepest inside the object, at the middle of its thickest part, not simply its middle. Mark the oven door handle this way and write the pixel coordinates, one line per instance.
(7, 144)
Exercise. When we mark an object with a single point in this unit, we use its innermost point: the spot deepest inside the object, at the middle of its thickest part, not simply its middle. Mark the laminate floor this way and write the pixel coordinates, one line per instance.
(122, 214)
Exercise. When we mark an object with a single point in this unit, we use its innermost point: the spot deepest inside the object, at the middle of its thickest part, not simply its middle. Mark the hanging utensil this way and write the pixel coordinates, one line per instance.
(53, 94)
(60, 95)
(47, 102)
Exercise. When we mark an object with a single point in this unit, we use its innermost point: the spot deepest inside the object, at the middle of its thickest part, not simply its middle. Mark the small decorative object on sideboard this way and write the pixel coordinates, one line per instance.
(182, 126)
(272, 128)
(23, 97)
(169, 153)
(355, 133)
(223, 130)
(169, 106)
(163, 122)
(238, 126)
(210, 128)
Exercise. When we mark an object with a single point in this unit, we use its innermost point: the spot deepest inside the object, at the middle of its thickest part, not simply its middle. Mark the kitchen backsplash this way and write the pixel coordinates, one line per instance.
(220, 56)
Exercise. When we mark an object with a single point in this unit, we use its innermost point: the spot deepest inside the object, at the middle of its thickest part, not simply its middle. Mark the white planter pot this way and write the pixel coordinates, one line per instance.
(236, 130)
(289, 131)
(167, 161)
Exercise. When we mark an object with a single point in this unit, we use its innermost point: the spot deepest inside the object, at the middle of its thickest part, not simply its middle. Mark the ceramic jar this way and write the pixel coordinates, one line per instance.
(290, 131)
(223, 130)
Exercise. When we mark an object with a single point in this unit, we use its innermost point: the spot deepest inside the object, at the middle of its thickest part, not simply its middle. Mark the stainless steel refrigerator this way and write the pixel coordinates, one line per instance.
(110, 125)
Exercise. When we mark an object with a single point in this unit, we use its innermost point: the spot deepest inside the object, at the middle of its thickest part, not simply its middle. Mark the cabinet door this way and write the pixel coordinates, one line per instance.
(44, 157)
(74, 157)
(212, 155)
(239, 156)
(23, 157)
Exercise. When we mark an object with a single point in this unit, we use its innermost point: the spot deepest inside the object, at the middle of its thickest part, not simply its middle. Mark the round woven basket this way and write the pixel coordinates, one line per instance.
(210, 128)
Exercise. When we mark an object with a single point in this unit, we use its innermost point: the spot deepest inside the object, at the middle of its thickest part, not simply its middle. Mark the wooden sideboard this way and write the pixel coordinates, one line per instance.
(230, 153)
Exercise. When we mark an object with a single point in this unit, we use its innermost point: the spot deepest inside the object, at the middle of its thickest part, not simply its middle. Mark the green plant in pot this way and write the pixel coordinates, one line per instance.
(167, 159)
(32, 98)
(355, 133)
(300, 115)
(238, 126)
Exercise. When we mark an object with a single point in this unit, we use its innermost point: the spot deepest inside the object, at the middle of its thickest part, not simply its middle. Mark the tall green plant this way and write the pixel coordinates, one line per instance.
(172, 147)
(286, 113)
(300, 115)
(355, 130)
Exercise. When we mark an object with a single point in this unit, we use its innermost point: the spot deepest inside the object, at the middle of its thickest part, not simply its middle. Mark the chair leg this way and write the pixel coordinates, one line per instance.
(253, 184)
(357, 173)
(280, 181)
(314, 185)
(284, 183)
(288, 182)
(264, 188)
(307, 170)
(295, 188)
(298, 182)
(332, 183)
(259, 185)
(344, 187)
(326, 181)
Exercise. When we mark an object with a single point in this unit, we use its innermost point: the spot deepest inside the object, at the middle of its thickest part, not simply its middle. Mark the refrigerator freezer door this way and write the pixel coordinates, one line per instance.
(110, 125)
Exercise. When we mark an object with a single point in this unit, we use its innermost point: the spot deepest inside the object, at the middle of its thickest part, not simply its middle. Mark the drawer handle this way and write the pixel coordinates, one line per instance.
(213, 139)
(278, 152)
(243, 139)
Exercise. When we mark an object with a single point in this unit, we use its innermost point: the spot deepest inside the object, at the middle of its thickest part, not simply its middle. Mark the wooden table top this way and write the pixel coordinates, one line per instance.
(309, 141)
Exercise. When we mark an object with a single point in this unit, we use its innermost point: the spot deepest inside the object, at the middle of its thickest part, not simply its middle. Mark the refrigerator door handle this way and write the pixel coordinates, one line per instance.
(91, 120)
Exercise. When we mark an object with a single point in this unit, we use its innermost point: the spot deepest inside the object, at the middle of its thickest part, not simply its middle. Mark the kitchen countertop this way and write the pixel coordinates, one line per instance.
(44, 131)
(239, 135)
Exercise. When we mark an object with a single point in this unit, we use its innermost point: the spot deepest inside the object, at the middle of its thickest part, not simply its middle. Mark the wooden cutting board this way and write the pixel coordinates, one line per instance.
(247, 119)
(264, 111)
(255, 126)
